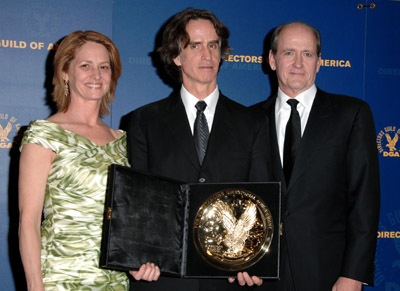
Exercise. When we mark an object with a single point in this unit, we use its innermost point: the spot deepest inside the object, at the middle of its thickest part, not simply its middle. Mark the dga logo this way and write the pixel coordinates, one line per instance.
(7, 125)
(387, 141)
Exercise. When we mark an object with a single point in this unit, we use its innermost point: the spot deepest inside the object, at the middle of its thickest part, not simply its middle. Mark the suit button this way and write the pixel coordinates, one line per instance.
(287, 213)
(202, 180)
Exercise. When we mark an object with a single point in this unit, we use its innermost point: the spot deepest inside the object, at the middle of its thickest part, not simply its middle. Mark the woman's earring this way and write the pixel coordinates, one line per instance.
(66, 88)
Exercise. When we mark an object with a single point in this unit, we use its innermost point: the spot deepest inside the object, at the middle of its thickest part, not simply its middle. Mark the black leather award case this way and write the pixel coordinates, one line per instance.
(150, 219)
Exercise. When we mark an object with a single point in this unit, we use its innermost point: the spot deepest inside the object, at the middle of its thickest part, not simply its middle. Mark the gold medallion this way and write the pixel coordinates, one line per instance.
(233, 229)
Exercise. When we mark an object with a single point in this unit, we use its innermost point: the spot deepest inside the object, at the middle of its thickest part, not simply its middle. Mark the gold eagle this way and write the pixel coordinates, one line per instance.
(392, 142)
(4, 132)
(237, 230)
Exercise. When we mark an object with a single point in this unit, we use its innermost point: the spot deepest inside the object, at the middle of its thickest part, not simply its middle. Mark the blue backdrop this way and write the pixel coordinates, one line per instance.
(359, 52)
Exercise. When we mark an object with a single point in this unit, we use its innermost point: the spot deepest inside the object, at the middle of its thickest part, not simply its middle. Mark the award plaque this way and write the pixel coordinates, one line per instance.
(233, 229)
(204, 230)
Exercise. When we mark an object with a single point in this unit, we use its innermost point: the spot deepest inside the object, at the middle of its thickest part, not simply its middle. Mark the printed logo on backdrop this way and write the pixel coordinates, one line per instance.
(335, 63)
(250, 63)
(395, 72)
(9, 127)
(243, 62)
(387, 142)
(21, 44)
(387, 270)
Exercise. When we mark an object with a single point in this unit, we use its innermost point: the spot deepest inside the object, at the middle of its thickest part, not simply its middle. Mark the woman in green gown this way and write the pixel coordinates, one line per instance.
(63, 173)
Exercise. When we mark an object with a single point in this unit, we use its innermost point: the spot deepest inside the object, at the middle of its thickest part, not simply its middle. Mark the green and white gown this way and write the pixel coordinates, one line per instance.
(73, 208)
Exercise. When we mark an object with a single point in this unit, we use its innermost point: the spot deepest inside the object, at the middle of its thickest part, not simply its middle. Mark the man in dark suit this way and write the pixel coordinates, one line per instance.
(197, 134)
(324, 152)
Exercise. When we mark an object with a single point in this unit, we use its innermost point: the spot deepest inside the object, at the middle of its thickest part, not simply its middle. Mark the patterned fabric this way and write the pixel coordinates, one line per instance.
(201, 131)
(73, 208)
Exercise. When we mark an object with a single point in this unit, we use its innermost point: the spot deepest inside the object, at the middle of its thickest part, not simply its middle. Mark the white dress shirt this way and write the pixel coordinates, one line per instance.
(282, 113)
(189, 101)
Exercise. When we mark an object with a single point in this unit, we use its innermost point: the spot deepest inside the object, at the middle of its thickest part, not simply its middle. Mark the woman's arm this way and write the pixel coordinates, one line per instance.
(35, 163)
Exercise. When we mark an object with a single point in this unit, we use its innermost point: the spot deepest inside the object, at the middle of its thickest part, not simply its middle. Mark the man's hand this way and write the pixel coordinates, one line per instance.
(347, 284)
(147, 272)
(245, 279)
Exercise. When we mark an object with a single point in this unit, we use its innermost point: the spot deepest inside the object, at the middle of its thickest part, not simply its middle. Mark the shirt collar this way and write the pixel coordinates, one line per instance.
(305, 98)
(189, 100)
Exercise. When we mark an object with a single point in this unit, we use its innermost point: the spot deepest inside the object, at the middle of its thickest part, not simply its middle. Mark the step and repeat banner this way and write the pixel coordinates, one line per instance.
(360, 40)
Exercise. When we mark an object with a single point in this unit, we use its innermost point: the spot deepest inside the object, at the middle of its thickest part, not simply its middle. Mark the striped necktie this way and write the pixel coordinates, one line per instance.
(201, 132)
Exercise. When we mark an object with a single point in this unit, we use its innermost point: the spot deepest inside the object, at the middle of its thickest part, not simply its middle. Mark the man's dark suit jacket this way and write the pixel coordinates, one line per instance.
(160, 142)
(331, 206)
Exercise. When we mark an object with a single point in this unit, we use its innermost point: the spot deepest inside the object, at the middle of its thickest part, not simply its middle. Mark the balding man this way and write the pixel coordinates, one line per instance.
(324, 152)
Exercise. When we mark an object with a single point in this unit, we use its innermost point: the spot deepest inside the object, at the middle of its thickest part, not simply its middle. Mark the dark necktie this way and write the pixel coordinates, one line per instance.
(200, 132)
(292, 139)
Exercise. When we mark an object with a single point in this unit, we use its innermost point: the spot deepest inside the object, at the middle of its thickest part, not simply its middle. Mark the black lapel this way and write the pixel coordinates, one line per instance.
(314, 132)
(269, 108)
(177, 122)
(221, 129)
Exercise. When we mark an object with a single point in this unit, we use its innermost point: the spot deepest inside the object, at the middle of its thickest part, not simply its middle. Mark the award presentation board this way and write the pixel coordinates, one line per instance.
(190, 230)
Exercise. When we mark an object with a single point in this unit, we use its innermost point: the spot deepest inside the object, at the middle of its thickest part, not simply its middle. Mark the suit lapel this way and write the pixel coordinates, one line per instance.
(314, 132)
(220, 131)
(269, 108)
(176, 121)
